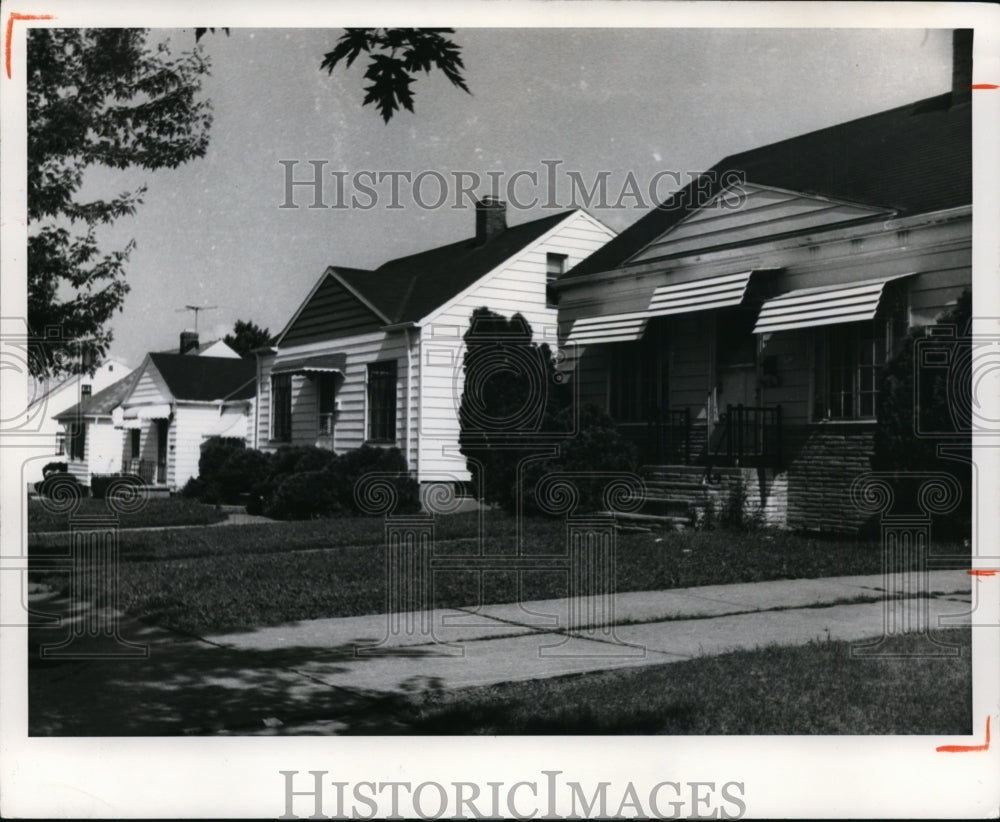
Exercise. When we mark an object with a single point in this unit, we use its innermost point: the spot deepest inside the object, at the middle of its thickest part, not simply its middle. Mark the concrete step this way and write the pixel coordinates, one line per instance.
(661, 520)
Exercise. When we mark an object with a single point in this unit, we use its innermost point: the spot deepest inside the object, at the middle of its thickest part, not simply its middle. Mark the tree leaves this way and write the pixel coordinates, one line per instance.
(247, 336)
(397, 55)
(96, 97)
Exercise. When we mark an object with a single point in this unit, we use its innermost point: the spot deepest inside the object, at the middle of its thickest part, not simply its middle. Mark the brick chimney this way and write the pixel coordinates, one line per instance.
(961, 66)
(491, 218)
(189, 341)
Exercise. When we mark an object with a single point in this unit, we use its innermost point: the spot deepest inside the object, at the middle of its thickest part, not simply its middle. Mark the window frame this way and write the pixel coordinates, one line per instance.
(551, 296)
(135, 444)
(326, 403)
(77, 441)
(388, 383)
(281, 423)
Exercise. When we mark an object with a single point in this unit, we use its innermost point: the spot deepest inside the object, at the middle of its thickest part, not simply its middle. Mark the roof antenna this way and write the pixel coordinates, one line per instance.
(196, 309)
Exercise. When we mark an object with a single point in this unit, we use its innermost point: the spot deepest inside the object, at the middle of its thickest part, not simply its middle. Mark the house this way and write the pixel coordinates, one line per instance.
(93, 444)
(376, 356)
(190, 345)
(175, 403)
(56, 396)
(739, 329)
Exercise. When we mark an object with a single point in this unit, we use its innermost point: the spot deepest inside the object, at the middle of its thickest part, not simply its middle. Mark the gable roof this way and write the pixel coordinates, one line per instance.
(103, 402)
(409, 288)
(205, 379)
(913, 159)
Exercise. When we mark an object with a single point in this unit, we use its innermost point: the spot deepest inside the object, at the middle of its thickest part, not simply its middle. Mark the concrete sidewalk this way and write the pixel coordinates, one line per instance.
(327, 673)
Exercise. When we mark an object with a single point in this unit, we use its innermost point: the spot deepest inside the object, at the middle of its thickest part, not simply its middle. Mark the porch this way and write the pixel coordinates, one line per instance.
(744, 436)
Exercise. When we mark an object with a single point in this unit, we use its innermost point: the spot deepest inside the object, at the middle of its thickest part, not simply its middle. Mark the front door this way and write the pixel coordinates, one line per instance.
(162, 426)
(735, 359)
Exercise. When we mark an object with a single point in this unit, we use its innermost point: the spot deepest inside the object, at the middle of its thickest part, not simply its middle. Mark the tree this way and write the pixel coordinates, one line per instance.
(247, 336)
(96, 97)
(397, 56)
(939, 395)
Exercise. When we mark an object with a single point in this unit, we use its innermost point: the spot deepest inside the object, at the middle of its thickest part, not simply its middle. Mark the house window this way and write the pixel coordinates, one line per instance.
(281, 407)
(849, 363)
(637, 374)
(134, 435)
(86, 390)
(555, 267)
(327, 389)
(77, 434)
(60, 444)
(382, 401)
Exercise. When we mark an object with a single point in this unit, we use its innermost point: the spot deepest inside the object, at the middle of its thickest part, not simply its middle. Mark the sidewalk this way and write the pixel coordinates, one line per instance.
(311, 674)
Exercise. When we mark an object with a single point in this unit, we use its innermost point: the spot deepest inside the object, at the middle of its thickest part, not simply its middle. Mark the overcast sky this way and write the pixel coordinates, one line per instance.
(630, 101)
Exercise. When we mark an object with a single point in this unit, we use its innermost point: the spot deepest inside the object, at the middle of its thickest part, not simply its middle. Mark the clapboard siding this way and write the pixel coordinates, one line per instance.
(331, 313)
(764, 213)
(518, 287)
(148, 390)
(189, 428)
(350, 423)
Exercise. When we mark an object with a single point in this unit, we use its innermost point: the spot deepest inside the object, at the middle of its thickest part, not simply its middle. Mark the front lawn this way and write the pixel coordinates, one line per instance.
(812, 689)
(207, 580)
(156, 512)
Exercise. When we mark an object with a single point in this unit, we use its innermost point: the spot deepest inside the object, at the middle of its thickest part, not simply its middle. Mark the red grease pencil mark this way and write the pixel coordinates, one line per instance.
(984, 85)
(10, 32)
(968, 748)
(983, 572)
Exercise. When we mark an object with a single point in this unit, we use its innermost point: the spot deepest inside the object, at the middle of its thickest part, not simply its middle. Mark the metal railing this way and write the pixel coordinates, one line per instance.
(144, 469)
(748, 435)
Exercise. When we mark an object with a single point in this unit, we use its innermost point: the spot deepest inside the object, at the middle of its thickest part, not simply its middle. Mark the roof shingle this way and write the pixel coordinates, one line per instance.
(206, 379)
(913, 159)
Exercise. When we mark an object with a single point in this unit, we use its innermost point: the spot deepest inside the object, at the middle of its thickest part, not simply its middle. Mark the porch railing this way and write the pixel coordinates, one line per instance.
(144, 469)
(668, 433)
(748, 436)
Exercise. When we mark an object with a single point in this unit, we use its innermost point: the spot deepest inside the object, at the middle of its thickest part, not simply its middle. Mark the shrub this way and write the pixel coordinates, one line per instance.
(244, 469)
(306, 495)
(596, 447)
(99, 484)
(897, 447)
(194, 488)
(353, 465)
(55, 468)
(214, 453)
(57, 483)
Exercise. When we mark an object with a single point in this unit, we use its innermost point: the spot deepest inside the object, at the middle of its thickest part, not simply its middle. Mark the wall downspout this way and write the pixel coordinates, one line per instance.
(409, 396)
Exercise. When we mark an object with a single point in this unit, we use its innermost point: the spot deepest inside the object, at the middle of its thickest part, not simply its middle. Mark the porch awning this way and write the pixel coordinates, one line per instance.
(159, 411)
(700, 295)
(319, 363)
(612, 328)
(826, 305)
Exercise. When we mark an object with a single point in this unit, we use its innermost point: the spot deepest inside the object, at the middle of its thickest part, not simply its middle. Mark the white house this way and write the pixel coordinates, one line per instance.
(175, 403)
(376, 356)
(58, 395)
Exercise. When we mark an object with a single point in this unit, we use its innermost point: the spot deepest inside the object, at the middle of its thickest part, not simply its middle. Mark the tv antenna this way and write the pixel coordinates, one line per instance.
(196, 309)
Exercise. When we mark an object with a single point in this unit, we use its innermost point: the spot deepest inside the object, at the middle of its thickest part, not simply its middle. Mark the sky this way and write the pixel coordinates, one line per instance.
(622, 101)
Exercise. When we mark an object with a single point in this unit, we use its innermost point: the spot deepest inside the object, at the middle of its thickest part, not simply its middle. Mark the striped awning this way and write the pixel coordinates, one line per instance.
(827, 305)
(700, 295)
(321, 363)
(611, 328)
(159, 411)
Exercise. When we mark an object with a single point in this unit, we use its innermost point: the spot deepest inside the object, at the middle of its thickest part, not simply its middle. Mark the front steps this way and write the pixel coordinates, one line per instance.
(675, 494)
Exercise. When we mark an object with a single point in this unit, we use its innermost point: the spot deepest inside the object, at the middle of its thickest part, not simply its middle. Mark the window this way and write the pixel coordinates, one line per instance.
(638, 375)
(60, 444)
(281, 407)
(326, 387)
(555, 267)
(134, 434)
(86, 390)
(382, 401)
(77, 433)
(849, 362)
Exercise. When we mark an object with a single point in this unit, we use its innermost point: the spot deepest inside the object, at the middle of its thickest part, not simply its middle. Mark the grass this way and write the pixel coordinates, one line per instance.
(813, 689)
(156, 512)
(205, 580)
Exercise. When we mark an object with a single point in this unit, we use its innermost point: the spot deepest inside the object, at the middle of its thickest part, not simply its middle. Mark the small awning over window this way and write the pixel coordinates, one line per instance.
(700, 295)
(160, 411)
(319, 363)
(612, 328)
(827, 305)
